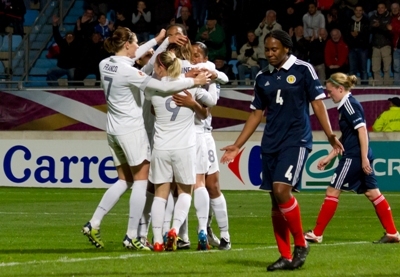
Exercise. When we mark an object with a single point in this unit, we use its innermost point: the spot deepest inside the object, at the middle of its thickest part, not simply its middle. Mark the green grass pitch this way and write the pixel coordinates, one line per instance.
(40, 236)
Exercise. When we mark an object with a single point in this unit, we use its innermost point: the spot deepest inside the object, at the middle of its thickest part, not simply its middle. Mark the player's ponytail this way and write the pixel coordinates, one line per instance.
(341, 79)
(169, 62)
(116, 42)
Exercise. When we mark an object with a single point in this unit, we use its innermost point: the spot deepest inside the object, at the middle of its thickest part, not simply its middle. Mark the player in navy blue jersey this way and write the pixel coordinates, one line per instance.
(354, 172)
(285, 88)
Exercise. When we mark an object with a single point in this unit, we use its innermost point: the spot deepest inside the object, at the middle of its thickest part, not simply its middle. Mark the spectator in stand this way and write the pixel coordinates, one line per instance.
(248, 58)
(141, 20)
(394, 28)
(179, 4)
(356, 36)
(163, 12)
(317, 58)
(336, 52)
(122, 21)
(267, 25)
(222, 66)
(222, 10)
(389, 121)
(103, 27)
(12, 12)
(346, 8)
(324, 5)
(381, 44)
(290, 19)
(85, 25)
(213, 36)
(68, 57)
(300, 44)
(99, 6)
(199, 11)
(186, 20)
(312, 22)
(92, 53)
(332, 19)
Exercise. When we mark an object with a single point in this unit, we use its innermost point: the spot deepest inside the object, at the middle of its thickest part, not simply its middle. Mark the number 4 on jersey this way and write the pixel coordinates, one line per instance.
(279, 99)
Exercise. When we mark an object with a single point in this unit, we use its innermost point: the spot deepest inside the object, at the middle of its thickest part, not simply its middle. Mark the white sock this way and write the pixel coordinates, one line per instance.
(183, 231)
(221, 215)
(110, 198)
(169, 210)
(182, 207)
(144, 223)
(136, 206)
(157, 217)
(202, 205)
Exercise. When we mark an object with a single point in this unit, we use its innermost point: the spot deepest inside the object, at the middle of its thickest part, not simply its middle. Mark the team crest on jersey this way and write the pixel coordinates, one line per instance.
(291, 79)
(141, 73)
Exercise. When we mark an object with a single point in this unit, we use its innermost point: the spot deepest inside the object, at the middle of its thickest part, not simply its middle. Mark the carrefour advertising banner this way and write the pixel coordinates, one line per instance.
(87, 164)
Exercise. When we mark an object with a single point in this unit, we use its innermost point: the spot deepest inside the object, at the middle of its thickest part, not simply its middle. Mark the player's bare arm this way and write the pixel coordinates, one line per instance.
(363, 138)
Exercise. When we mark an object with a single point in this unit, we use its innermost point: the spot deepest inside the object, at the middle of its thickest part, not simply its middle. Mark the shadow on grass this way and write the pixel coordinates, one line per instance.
(249, 263)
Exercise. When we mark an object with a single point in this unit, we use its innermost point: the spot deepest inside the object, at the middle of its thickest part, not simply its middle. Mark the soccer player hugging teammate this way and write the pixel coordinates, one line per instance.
(126, 135)
(285, 88)
(207, 161)
(354, 172)
(174, 151)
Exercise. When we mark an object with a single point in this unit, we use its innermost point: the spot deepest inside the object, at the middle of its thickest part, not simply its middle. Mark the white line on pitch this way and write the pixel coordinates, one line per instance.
(127, 256)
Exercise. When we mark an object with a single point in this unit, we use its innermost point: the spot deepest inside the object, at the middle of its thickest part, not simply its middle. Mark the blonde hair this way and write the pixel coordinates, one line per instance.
(344, 80)
(182, 52)
(170, 62)
(120, 36)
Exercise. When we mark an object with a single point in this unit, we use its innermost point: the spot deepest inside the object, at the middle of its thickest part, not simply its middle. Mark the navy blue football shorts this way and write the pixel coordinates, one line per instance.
(349, 176)
(285, 166)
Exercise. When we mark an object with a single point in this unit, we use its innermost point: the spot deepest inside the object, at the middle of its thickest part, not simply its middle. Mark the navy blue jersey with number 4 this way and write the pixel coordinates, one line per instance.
(286, 94)
(351, 117)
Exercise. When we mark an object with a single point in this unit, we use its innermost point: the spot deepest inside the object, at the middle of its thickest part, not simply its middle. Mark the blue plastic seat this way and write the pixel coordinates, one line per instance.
(234, 66)
(15, 40)
(30, 17)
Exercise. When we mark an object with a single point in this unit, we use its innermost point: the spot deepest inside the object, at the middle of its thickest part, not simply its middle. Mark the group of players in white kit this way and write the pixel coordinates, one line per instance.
(173, 155)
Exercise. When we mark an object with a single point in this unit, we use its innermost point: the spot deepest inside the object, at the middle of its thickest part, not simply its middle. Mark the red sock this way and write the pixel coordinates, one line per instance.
(281, 232)
(384, 213)
(291, 211)
(326, 213)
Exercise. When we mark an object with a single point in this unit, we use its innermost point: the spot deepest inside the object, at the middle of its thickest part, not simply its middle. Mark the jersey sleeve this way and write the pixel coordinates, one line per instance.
(144, 48)
(145, 82)
(203, 96)
(259, 102)
(314, 89)
(354, 115)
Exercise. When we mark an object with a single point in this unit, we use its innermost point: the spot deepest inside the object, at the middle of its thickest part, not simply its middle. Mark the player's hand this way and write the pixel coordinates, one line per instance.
(161, 36)
(323, 163)
(55, 20)
(184, 100)
(192, 73)
(178, 39)
(366, 166)
(231, 152)
(201, 79)
(336, 144)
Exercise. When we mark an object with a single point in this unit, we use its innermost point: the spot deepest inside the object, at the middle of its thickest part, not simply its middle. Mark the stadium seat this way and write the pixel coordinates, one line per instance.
(234, 66)
(46, 63)
(30, 17)
(15, 41)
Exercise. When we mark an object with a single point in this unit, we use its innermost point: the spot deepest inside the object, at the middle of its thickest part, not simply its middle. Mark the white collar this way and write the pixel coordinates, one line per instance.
(123, 59)
(344, 99)
(287, 65)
